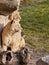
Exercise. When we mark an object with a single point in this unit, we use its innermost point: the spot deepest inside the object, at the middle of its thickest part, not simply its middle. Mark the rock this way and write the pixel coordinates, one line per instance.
(18, 58)
(8, 6)
(25, 56)
(43, 61)
(8, 58)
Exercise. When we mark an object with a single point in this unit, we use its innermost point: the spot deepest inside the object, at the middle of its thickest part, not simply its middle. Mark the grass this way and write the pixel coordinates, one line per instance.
(35, 23)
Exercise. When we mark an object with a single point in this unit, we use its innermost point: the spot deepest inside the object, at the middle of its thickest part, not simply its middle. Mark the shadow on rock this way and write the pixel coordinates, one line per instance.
(21, 57)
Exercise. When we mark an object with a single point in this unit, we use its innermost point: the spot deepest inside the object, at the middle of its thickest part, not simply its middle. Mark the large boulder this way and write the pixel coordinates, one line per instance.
(8, 6)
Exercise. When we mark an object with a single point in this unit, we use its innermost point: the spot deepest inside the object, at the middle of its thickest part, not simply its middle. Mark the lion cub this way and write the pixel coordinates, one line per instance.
(11, 35)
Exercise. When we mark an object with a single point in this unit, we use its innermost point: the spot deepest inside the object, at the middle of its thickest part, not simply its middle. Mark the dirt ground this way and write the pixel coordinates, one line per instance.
(35, 56)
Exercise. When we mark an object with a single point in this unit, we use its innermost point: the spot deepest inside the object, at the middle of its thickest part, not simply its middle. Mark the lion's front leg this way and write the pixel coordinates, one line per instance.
(6, 42)
(4, 47)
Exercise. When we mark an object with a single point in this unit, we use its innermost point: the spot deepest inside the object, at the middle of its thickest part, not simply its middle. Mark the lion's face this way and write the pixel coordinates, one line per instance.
(15, 16)
(16, 26)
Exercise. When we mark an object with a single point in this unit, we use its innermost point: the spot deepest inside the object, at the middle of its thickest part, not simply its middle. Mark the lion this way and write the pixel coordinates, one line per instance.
(18, 42)
(11, 35)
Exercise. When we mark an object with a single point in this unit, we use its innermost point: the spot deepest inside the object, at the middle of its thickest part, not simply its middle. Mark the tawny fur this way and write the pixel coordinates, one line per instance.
(11, 35)
(18, 42)
(3, 22)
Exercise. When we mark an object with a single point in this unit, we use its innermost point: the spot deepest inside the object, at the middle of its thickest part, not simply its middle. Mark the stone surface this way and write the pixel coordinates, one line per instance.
(43, 61)
(17, 58)
(8, 6)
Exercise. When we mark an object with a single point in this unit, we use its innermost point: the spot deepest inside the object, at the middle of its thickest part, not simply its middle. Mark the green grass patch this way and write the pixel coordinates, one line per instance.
(35, 23)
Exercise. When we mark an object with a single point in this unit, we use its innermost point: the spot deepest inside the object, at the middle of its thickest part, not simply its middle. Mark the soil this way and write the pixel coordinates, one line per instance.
(35, 56)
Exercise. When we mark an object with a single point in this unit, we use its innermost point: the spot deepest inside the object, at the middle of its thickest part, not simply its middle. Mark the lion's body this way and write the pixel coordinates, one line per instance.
(11, 35)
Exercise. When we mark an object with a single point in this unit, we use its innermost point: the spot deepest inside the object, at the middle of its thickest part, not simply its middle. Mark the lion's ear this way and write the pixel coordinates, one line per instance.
(10, 17)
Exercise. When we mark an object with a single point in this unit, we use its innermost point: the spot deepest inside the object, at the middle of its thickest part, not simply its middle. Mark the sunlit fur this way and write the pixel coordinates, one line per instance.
(11, 35)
